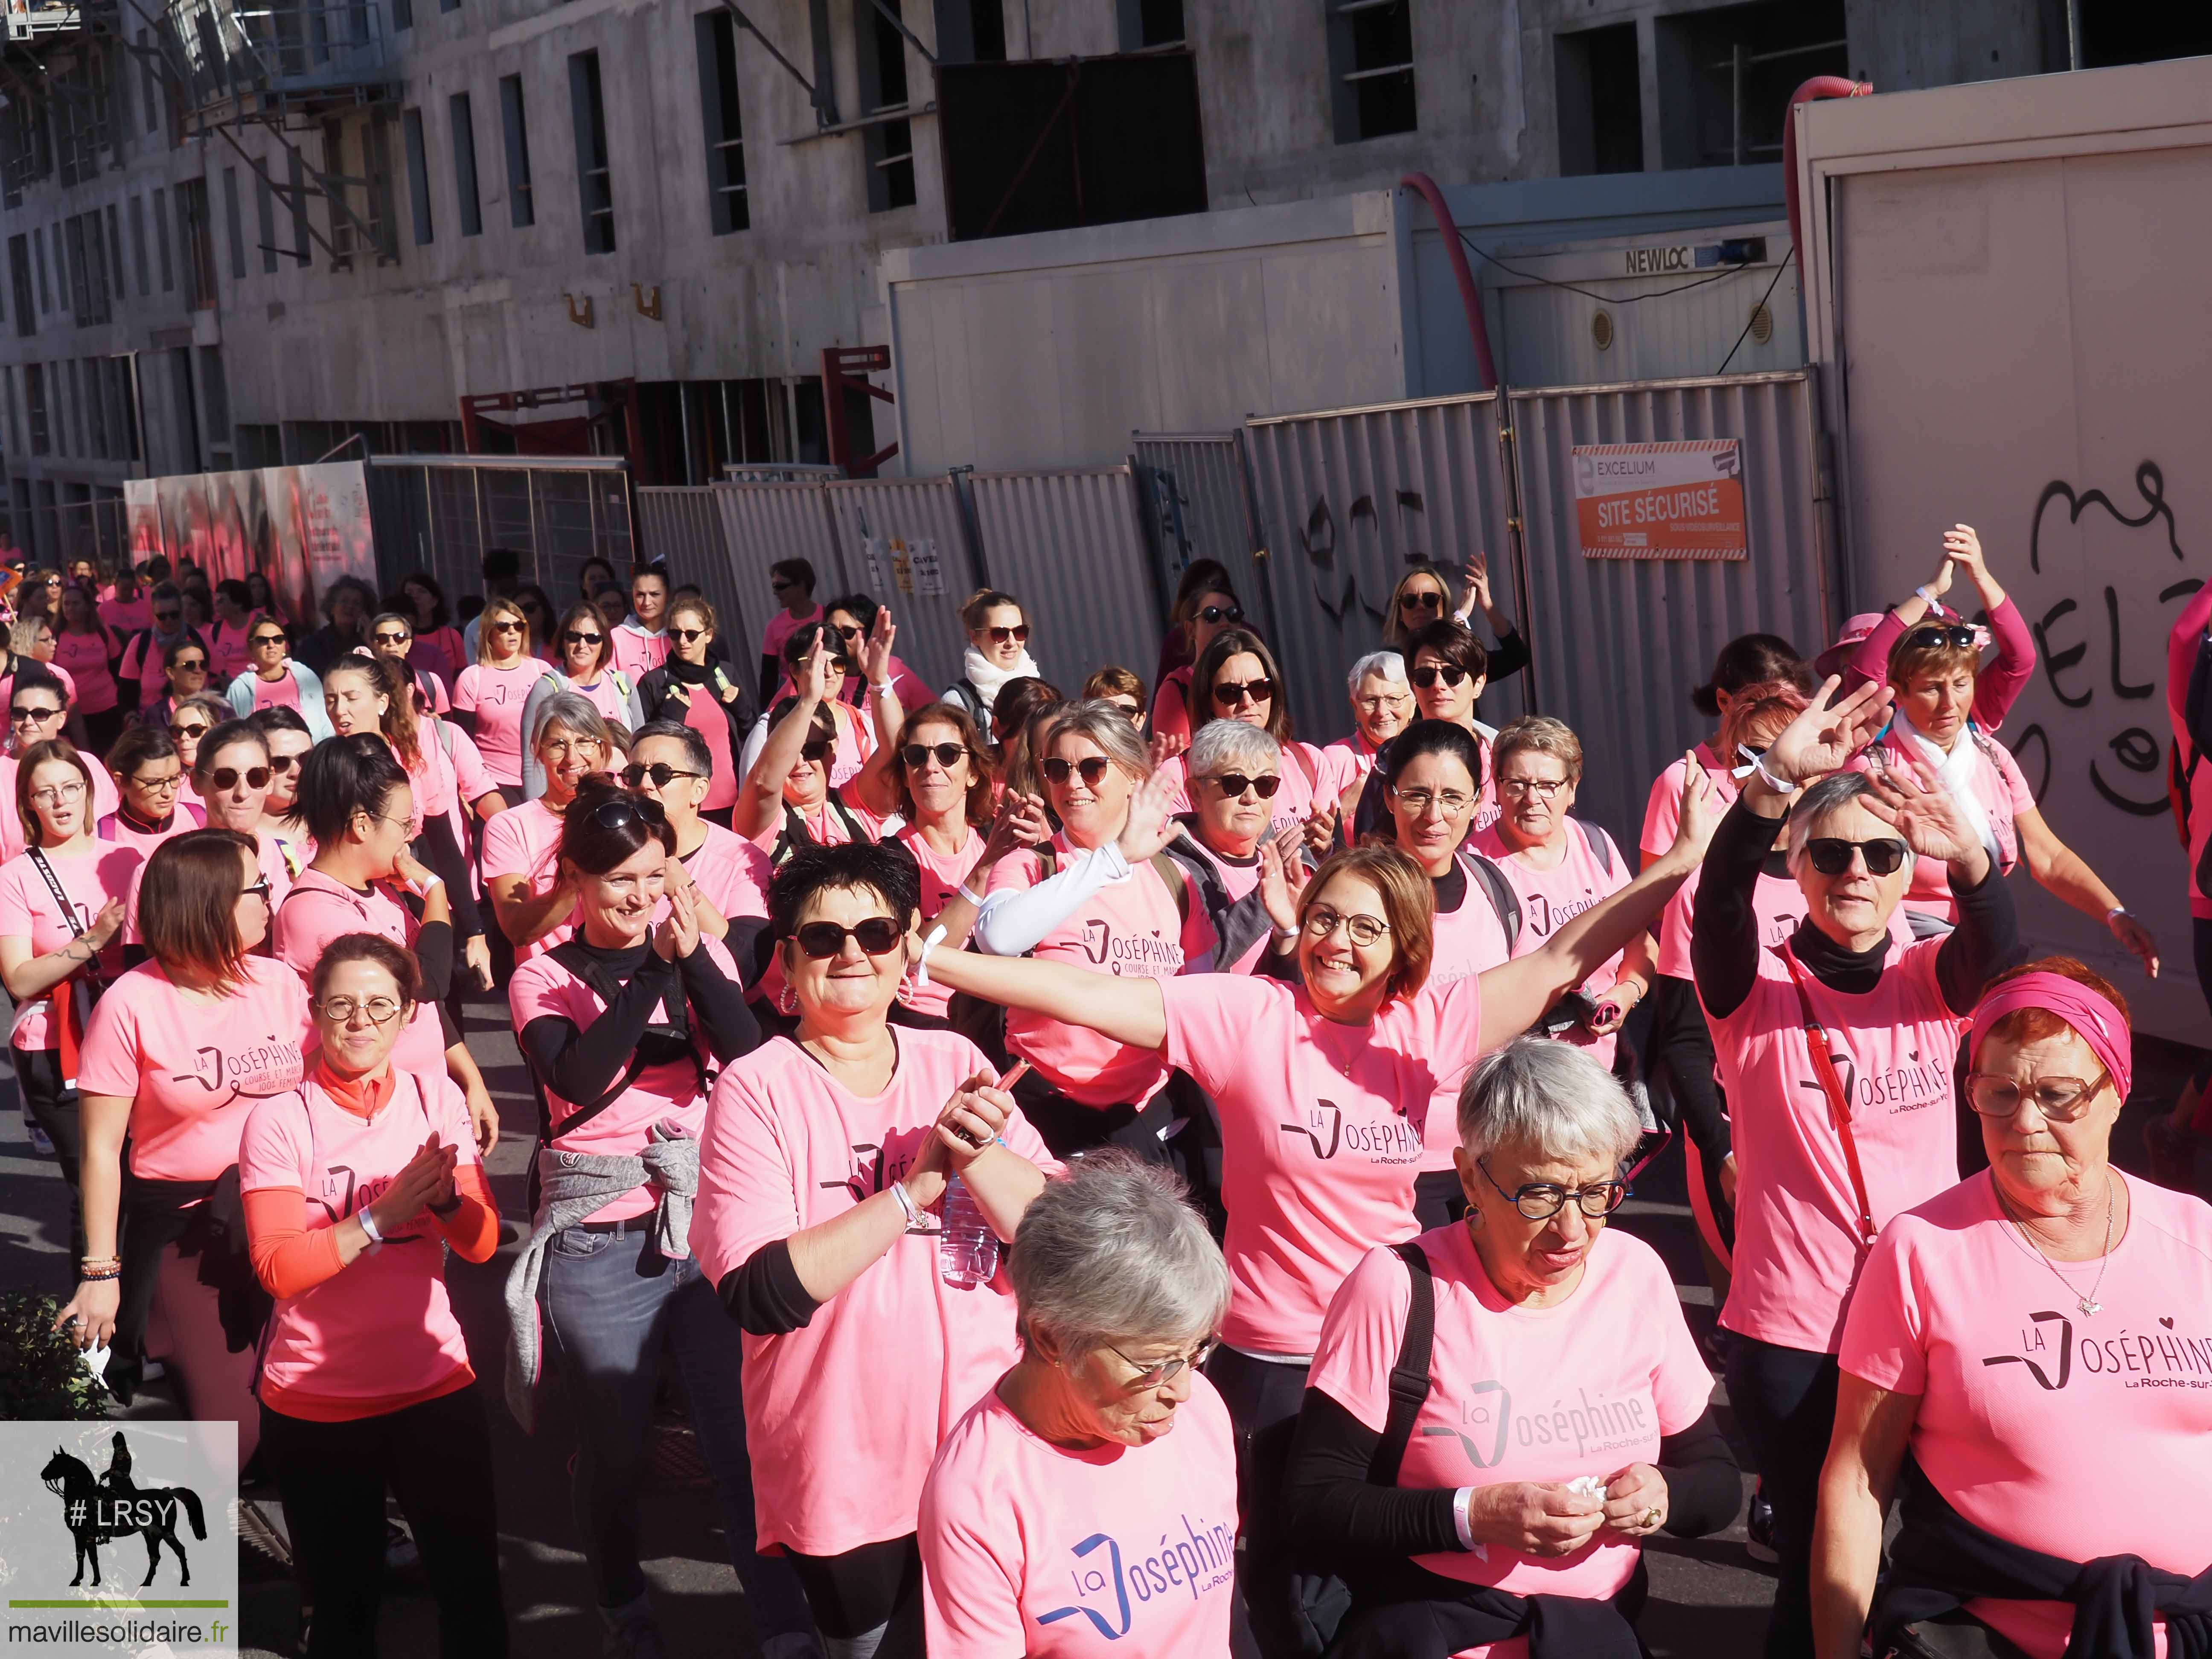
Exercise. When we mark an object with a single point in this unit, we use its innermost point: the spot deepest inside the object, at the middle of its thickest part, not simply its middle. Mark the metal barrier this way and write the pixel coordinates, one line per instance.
(1346, 498)
(906, 542)
(681, 527)
(1618, 643)
(762, 523)
(443, 512)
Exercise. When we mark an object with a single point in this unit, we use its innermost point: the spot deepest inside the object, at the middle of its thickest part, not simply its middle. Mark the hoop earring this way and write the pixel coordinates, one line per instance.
(786, 1000)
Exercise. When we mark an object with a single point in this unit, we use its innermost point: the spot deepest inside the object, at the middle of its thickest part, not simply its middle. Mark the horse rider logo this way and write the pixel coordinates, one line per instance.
(99, 1511)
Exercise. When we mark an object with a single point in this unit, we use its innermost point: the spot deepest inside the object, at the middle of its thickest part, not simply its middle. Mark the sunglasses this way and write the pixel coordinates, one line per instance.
(1221, 613)
(877, 936)
(847, 631)
(379, 639)
(621, 814)
(1424, 601)
(661, 772)
(188, 733)
(1956, 635)
(1093, 770)
(690, 635)
(280, 763)
(258, 889)
(1831, 854)
(167, 616)
(20, 714)
(190, 665)
(505, 628)
(278, 639)
(574, 636)
(818, 748)
(1236, 783)
(1236, 694)
(1429, 673)
(226, 777)
(916, 755)
(1019, 634)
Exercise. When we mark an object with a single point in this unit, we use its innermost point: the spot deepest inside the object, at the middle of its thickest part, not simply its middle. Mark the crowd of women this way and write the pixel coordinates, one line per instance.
(1102, 1174)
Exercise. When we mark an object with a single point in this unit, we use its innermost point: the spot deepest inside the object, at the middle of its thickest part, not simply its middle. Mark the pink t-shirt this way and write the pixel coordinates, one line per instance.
(1999, 785)
(1302, 792)
(525, 841)
(2040, 1424)
(192, 1067)
(275, 870)
(127, 616)
(781, 626)
(381, 1327)
(1124, 1552)
(1320, 1132)
(542, 988)
(1171, 704)
(471, 775)
(282, 692)
(439, 652)
(228, 655)
(637, 652)
(1468, 941)
(941, 877)
(731, 872)
(84, 659)
(320, 909)
(1129, 929)
(116, 828)
(2181, 663)
(1796, 1213)
(495, 697)
(1586, 1387)
(27, 910)
(846, 1413)
(104, 800)
(1345, 763)
(1552, 898)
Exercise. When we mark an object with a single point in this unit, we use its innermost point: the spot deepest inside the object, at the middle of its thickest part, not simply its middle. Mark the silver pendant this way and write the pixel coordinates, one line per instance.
(2088, 1305)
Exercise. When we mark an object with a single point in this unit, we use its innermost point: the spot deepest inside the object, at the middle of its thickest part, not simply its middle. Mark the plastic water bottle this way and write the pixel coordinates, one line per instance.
(967, 1249)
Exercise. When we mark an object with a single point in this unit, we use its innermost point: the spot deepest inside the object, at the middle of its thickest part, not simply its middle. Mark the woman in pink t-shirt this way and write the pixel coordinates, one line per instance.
(2036, 1340)
(532, 900)
(150, 777)
(392, 639)
(1356, 1057)
(621, 1025)
(1382, 707)
(435, 646)
(490, 695)
(1236, 679)
(852, 619)
(1449, 667)
(85, 648)
(823, 1154)
(186, 664)
(1103, 1433)
(586, 666)
(1232, 772)
(793, 796)
(1564, 1416)
(1431, 786)
(60, 915)
(1203, 614)
(688, 686)
(179, 1051)
(288, 741)
(354, 1185)
(1836, 1050)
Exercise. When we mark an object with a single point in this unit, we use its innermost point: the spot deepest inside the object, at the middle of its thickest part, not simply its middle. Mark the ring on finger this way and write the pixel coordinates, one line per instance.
(1652, 1517)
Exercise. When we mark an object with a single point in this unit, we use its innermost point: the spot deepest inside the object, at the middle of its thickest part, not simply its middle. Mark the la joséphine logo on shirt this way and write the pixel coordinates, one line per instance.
(1568, 1426)
(2166, 1358)
(266, 1068)
(1148, 955)
(1324, 1126)
(1112, 1589)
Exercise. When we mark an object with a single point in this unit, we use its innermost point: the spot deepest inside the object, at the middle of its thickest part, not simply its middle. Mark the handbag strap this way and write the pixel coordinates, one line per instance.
(1839, 1106)
(1409, 1377)
(61, 897)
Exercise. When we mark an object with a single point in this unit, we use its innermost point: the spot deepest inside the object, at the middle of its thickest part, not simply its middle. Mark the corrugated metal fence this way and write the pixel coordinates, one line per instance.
(443, 512)
(905, 542)
(1071, 545)
(1198, 488)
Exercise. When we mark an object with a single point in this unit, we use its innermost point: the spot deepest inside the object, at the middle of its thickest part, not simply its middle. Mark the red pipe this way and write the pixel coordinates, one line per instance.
(1820, 86)
(1483, 364)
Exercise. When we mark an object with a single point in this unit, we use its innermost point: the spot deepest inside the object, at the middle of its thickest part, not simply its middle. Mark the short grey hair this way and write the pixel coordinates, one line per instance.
(1386, 665)
(1224, 745)
(1112, 1253)
(1106, 724)
(1823, 800)
(1550, 1099)
(573, 713)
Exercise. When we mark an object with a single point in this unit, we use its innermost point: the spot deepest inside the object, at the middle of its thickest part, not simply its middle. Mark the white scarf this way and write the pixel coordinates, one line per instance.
(1959, 769)
(987, 677)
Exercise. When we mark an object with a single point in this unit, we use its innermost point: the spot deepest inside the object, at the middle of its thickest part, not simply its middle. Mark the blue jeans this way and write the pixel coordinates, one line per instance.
(610, 1300)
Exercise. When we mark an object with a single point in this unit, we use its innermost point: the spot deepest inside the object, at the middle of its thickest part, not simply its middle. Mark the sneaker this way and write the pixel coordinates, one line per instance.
(1759, 1528)
(630, 1632)
(41, 1143)
(400, 1554)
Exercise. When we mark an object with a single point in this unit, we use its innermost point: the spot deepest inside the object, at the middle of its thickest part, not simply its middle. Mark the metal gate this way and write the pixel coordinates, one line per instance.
(905, 541)
(1199, 488)
(1348, 498)
(681, 525)
(1618, 643)
(443, 512)
(762, 523)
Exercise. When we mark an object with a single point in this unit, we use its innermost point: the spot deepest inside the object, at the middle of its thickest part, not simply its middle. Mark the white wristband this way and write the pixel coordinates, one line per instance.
(883, 687)
(369, 1224)
(422, 889)
(908, 1208)
(1769, 780)
(1460, 1522)
(930, 941)
(1933, 604)
(2116, 912)
(971, 896)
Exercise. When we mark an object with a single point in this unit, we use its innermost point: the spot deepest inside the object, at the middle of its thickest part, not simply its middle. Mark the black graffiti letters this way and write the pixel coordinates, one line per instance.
(2150, 484)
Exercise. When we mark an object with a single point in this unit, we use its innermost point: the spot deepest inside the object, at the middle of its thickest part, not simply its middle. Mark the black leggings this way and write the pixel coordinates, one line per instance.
(54, 1109)
(1263, 1400)
(436, 1458)
(1785, 1398)
(866, 1589)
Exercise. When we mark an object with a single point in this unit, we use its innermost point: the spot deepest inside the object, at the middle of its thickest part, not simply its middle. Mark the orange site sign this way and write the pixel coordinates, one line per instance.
(1662, 501)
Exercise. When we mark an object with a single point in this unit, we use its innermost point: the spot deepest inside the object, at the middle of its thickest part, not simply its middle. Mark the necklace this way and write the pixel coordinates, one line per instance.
(2088, 1304)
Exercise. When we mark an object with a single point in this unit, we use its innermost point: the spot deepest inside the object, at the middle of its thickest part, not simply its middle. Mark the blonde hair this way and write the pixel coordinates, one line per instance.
(1539, 734)
(499, 610)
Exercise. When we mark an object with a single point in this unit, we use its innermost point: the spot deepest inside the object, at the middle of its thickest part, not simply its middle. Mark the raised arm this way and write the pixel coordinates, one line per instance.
(1130, 1010)
(760, 799)
(877, 784)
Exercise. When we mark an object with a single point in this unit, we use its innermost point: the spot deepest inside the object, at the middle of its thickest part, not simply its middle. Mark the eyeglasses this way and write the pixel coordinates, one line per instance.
(1539, 1201)
(1221, 613)
(621, 814)
(1429, 673)
(1450, 802)
(841, 663)
(661, 772)
(1831, 855)
(282, 762)
(256, 890)
(190, 664)
(506, 627)
(1092, 769)
(1235, 693)
(21, 715)
(916, 755)
(1234, 784)
(817, 748)
(1541, 788)
(1957, 635)
(386, 638)
(877, 936)
(2061, 1099)
(1017, 635)
(1361, 929)
(688, 635)
(157, 786)
(188, 733)
(576, 636)
(226, 777)
(55, 793)
(340, 1011)
(278, 639)
(1150, 1374)
(1425, 599)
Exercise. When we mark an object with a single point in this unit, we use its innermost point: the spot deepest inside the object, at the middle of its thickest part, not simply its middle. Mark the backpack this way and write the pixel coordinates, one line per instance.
(1486, 874)
(662, 1042)
(961, 691)
(795, 835)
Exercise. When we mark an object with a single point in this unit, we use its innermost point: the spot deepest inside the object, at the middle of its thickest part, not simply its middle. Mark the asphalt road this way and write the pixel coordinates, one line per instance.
(1709, 1599)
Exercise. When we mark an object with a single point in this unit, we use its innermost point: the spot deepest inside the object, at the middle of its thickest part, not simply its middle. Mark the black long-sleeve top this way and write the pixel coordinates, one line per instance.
(1724, 931)
(584, 1064)
(1333, 1506)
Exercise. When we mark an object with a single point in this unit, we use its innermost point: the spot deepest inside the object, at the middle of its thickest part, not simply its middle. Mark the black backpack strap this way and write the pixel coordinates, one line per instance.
(1599, 843)
(1499, 891)
(573, 957)
(1409, 1377)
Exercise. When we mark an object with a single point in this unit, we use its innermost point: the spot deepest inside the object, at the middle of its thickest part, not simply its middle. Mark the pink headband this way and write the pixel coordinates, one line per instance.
(2094, 1019)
